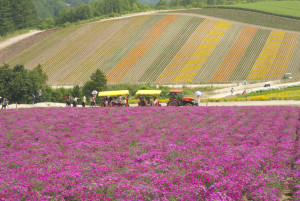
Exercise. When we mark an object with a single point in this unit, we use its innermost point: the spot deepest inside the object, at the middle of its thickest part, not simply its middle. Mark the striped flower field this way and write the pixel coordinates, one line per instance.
(164, 48)
(167, 153)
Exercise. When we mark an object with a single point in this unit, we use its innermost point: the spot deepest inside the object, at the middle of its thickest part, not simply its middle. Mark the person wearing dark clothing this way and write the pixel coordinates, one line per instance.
(40, 95)
(33, 98)
(4, 103)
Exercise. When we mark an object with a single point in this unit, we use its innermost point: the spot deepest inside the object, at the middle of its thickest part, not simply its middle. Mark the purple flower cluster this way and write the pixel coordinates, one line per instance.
(159, 153)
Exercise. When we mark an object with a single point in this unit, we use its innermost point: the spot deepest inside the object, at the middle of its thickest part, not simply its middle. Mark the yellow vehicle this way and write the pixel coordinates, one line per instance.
(114, 98)
(144, 96)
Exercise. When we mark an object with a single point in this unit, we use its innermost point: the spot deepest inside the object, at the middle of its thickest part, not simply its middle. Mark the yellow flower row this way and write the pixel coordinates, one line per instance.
(187, 51)
(267, 56)
(193, 66)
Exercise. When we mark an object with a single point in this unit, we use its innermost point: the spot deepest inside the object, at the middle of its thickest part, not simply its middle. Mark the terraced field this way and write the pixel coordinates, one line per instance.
(163, 48)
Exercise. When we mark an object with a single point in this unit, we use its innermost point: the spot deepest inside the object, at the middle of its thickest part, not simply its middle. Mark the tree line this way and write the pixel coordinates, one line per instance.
(18, 84)
(22, 14)
(16, 14)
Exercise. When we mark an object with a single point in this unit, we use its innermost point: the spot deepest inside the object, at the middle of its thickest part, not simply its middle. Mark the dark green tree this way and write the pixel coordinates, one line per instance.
(162, 4)
(5, 80)
(24, 13)
(83, 12)
(97, 82)
(18, 84)
(6, 21)
(42, 77)
(76, 92)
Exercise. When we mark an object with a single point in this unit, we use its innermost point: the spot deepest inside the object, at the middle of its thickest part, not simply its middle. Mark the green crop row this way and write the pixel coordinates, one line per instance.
(249, 17)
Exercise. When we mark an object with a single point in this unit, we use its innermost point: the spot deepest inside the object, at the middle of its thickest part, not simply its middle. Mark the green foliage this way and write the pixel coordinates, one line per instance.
(162, 4)
(149, 2)
(51, 8)
(55, 95)
(46, 23)
(16, 14)
(76, 91)
(42, 77)
(97, 82)
(6, 21)
(100, 8)
(18, 84)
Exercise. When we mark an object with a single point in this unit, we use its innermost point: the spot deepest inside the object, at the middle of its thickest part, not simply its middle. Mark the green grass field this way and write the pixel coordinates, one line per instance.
(250, 17)
(286, 8)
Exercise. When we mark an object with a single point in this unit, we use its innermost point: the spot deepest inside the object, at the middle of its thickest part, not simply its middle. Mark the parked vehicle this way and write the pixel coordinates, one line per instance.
(176, 99)
(145, 97)
(114, 98)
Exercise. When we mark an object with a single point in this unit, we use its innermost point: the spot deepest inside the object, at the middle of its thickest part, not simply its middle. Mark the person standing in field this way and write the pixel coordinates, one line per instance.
(231, 91)
(75, 101)
(83, 101)
(68, 100)
(33, 98)
(93, 103)
(40, 95)
(4, 103)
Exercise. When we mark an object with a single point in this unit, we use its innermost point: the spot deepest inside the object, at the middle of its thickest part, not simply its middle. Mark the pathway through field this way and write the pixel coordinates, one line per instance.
(16, 39)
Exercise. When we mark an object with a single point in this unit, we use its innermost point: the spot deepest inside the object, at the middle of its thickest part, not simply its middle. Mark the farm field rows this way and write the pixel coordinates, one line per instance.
(164, 48)
(155, 57)
(208, 153)
(248, 17)
(110, 46)
(215, 58)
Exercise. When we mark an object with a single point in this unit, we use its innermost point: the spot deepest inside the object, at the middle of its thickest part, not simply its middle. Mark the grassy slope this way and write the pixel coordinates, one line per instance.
(249, 17)
(287, 8)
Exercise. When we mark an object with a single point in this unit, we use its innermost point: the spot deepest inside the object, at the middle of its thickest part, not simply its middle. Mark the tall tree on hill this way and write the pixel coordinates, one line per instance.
(24, 13)
(6, 21)
(162, 4)
(97, 82)
(84, 12)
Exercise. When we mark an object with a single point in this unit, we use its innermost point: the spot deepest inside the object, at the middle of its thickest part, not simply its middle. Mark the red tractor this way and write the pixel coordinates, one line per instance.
(177, 99)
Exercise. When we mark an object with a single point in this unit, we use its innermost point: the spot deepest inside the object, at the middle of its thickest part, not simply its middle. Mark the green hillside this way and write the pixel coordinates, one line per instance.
(250, 17)
(163, 48)
(285, 8)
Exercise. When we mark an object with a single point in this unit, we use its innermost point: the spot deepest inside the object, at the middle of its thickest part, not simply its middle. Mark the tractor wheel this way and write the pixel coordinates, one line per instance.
(172, 103)
(188, 104)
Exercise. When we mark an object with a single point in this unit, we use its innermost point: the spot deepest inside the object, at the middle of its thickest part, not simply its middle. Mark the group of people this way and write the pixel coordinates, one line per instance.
(113, 101)
(40, 96)
(147, 102)
(74, 101)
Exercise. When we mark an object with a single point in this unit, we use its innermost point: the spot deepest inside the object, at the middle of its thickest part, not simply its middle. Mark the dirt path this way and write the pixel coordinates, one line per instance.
(16, 39)
(221, 93)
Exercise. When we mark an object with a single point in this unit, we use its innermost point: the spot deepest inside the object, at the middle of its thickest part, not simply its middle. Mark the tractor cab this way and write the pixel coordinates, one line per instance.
(176, 99)
(148, 98)
(114, 98)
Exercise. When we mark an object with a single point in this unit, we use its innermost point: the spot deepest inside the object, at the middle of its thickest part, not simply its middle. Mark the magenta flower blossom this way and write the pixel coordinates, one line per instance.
(161, 153)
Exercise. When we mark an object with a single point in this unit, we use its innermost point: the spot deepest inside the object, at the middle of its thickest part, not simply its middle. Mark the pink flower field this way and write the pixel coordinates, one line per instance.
(159, 153)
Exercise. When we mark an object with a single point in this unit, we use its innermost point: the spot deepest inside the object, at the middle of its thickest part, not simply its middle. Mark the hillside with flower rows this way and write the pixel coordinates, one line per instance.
(202, 153)
(164, 48)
